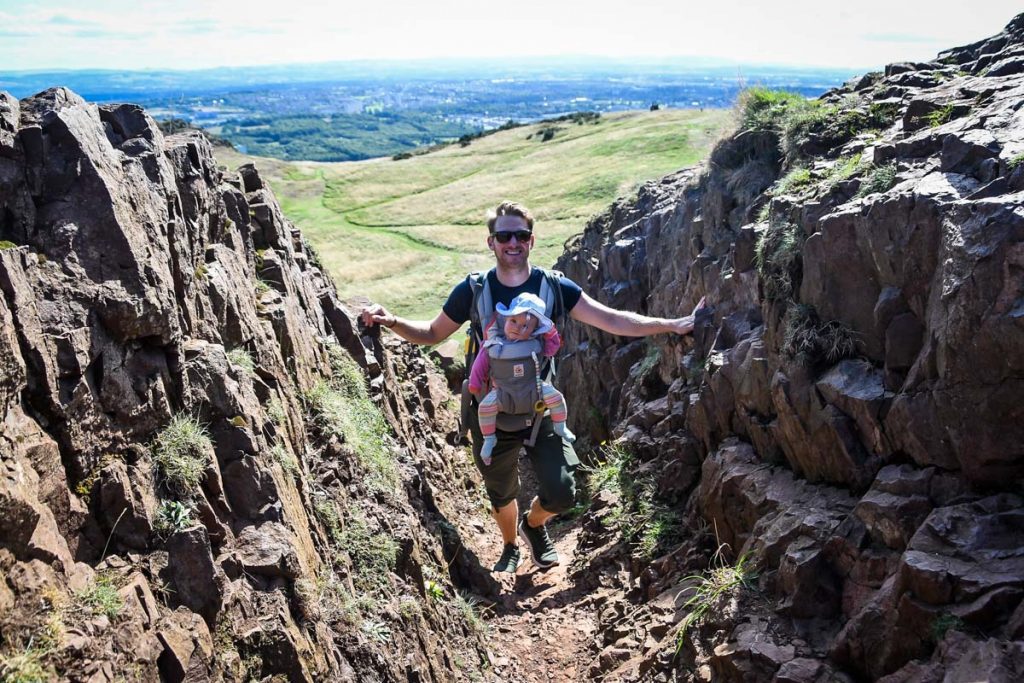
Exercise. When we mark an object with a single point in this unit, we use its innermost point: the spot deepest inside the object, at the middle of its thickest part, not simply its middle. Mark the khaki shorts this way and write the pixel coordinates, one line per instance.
(553, 460)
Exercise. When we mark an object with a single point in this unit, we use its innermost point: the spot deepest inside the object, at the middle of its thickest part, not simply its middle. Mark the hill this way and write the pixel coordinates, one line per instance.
(415, 225)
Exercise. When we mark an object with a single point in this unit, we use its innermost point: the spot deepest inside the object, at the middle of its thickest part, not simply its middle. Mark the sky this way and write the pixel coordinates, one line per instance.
(192, 34)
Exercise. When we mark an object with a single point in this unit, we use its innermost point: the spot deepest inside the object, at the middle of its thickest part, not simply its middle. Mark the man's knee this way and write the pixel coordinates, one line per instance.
(560, 496)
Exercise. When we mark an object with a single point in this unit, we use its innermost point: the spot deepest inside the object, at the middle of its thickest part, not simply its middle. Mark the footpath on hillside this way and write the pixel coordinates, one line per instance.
(543, 626)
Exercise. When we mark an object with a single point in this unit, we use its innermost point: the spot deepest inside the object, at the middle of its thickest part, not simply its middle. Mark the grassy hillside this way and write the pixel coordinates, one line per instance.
(404, 232)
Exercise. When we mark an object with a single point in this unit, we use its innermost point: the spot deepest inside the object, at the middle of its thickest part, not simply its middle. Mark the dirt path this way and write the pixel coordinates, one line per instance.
(542, 628)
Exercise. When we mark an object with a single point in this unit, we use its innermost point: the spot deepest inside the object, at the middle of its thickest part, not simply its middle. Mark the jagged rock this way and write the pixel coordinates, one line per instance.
(268, 550)
(858, 389)
(187, 647)
(197, 581)
(957, 566)
(251, 489)
(959, 659)
(749, 654)
(127, 503)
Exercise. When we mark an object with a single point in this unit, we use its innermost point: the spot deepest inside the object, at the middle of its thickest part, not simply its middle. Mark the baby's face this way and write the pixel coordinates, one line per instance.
(520, 327)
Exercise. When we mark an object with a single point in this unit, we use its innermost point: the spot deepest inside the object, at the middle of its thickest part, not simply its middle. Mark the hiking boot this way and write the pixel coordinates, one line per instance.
(541, 547)
(509, 560)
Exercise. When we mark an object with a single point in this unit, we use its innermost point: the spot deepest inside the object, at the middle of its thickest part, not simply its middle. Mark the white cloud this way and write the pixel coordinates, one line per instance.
(196, 33)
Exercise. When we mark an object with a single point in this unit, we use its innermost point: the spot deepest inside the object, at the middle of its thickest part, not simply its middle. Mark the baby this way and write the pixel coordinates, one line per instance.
(523, 319)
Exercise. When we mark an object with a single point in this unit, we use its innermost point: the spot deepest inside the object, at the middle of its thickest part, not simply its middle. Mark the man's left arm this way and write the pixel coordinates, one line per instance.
(626, 323)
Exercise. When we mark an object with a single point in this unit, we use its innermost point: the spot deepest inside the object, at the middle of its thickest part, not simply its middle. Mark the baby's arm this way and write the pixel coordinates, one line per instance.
(480, 374)
(552, 342)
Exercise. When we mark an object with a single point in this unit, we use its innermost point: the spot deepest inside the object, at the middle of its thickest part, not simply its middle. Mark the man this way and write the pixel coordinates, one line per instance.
(510, 237)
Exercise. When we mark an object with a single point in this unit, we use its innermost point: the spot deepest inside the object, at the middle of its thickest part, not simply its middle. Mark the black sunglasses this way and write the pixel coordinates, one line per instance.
(506, 236)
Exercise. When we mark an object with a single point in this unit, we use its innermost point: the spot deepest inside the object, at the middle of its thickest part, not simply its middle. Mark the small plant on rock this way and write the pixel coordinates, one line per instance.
(283, 457)
(814, 343)
(1014, 162)
(241, 358)
(173, 516)
(101, 597)
(346, 375)
(708, 589)
(180, 454)
(879, 179)
(650, 361)
(374, 554)
(943, 624)
(26, 666)
(844, 169)
(312, 254)
(377, 630)
(327, 513)
(433, 589)
(611, 471)
(275, 411)
(796, 179)
(778, 260)
(469, 607)
(765, 109)
(940, 116)
(362, 425)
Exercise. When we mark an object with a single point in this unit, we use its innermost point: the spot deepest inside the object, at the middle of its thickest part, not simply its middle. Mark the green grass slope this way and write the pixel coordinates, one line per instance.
(404, 232)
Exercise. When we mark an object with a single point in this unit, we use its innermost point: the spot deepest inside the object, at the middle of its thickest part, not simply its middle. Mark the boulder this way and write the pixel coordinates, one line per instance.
(197, 582)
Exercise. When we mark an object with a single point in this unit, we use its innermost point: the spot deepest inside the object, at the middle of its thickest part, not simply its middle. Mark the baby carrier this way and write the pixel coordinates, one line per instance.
(517, 367)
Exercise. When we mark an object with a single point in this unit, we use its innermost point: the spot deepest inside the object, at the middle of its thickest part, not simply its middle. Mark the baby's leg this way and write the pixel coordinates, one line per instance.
(488, 414)
(555, 402)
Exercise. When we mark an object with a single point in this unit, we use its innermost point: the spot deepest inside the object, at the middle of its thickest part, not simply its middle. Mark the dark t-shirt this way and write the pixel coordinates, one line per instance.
(461, 299)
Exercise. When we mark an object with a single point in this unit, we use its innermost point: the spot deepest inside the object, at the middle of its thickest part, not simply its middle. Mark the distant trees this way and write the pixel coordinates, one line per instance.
(342, 137)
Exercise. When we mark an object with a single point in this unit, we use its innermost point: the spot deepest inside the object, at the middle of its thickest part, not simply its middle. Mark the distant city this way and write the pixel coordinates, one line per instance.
(354, 110)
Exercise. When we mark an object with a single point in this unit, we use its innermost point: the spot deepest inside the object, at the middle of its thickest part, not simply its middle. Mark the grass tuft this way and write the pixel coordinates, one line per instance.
(814, 343)
(720, 581)
(940, 116)
(342, 406)
(797, 179)
(283, 457)
(100, 597)
(646, 524)
(778, 260)
(650, 361)
(25, 667)
(180, 454)
(374, 554)
(879, 179)
(241, 358)
(377, 630)
(943, 624)
(346, 375)
(469, 608)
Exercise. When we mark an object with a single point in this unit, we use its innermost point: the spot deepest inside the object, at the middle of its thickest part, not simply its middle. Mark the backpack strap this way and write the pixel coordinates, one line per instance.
(554, 305)
(482, 308)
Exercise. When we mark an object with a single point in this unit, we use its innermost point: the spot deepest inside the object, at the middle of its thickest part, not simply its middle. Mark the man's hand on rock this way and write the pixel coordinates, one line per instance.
(685, 324)
(375, 314)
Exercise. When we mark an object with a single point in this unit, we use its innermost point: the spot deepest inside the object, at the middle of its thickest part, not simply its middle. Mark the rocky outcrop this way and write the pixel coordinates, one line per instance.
(199, 453)
(846, 422)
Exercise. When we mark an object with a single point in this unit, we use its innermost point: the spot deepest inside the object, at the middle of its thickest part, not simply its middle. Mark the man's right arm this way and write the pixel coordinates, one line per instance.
(416, 331)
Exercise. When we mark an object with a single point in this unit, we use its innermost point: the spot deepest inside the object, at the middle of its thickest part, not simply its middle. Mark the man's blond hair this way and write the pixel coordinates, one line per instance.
(509, 209)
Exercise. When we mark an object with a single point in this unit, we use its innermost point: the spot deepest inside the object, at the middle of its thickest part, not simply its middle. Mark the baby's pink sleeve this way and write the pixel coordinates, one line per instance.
(552, 342)
(481, 372)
